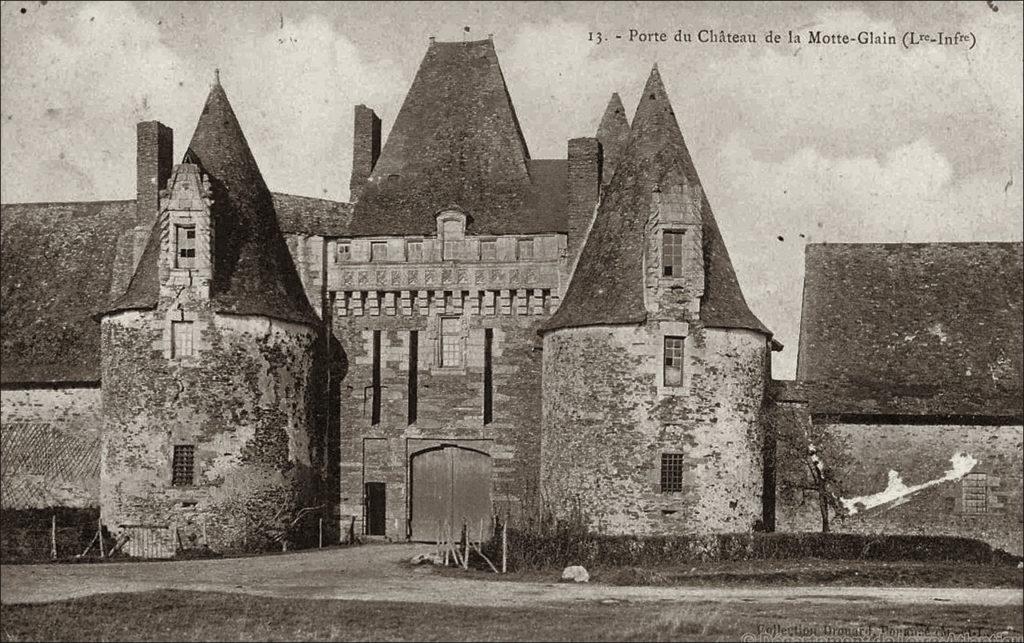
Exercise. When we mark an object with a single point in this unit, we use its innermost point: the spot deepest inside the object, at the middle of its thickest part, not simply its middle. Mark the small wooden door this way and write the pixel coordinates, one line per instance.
(376, 509)
(450, 486)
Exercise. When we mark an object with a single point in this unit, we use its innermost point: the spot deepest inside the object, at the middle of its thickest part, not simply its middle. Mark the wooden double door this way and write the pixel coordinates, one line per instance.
(451, 486)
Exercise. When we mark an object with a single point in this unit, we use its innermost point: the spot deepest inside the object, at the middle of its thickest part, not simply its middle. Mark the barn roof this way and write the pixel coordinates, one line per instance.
(913, 329)
(253, 272)
(607, 285)
(457, 141)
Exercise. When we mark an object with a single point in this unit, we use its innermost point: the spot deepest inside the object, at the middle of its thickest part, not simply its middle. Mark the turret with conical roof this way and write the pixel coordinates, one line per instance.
(251, 271)
(655, 188)
(209, 387)
(654, 368)
(613, 132)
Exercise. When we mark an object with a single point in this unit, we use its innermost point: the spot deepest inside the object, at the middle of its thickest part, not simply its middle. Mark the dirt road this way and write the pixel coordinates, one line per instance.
(379, 573)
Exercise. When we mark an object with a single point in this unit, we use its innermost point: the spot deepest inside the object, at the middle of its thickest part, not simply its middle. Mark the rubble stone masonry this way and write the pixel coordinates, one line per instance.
(608, 419)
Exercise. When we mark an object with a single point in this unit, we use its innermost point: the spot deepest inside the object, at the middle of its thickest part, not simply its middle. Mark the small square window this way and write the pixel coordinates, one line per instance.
(488, 250)
(183, 465)
(414, 251)
(344, 252)
(181, 339)
(378, 251)
(674, 361)
(672, 254)
(185, 246)
(671, 472)
(525, 248)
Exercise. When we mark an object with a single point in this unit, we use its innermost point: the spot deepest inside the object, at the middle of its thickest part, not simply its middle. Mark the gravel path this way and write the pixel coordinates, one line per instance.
(378, 573)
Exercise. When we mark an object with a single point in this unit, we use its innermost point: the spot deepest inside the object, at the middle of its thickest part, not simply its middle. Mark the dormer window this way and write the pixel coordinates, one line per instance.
(672, 254)
(344, 252)
(185, 246)
(451, 228)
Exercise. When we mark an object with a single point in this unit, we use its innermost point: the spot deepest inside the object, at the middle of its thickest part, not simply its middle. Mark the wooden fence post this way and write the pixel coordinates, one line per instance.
(465, 540)
(99, 525)
(504, 546)
(53, 537)
(321, 523)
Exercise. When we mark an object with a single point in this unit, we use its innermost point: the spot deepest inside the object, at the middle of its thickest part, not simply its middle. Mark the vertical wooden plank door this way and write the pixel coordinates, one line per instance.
(450, 485)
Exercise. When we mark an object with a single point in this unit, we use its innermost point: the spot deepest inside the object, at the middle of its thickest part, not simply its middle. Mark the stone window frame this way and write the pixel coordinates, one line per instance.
(671, 469)
(679, 249)
(167, 336)
(666, 330)
(378, 243)
(458, 345)
(183, 465)
(188, 244)
(451, 236)
(343, 253)
(526, 242)
(492, 243)
(409, 243)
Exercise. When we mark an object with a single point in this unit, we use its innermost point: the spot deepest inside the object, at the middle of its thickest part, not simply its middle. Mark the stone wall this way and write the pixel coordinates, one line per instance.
(608, 419)
(449, 407)
(49, 456)
(244, 399)
(920, 453)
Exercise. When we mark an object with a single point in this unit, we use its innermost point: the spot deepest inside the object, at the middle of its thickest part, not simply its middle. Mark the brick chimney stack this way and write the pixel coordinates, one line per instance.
(154, 160)
(585, 160)
(365, 149)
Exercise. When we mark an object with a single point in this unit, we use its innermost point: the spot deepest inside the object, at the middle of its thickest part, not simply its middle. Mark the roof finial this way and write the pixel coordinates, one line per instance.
(432, 38)
(216, 75)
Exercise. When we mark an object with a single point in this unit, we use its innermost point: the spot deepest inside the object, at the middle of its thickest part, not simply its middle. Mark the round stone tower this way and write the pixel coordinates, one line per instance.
(655, 369)
(210, 431)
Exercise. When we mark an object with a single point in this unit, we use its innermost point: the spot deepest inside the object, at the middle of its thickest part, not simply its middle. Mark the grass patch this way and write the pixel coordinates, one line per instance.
(815, 572)
(570, 544)
(192, 616)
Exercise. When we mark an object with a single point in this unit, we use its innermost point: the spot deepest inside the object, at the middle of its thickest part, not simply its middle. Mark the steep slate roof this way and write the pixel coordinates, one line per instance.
(607, 285)
(253, 272)
(613, 132)
(913, 329)
(58, 260)
(456, 141)
(306, 215)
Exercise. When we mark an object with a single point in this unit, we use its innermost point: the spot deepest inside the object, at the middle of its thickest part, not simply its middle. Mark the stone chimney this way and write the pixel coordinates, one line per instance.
(584, 186)
(365, 149)
(154, 160)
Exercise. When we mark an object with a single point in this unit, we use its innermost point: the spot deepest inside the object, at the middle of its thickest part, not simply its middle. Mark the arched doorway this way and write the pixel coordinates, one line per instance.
(450, 485)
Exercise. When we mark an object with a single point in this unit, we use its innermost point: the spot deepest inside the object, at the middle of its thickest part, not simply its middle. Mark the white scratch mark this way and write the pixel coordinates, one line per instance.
(897, 492)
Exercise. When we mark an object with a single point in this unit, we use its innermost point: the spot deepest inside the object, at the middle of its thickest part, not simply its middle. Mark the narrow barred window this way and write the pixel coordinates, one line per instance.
(344, 252)
(672, 254)
(671, 472)
(375, 379)
(414, 251)
(525, 247)
(183, 465)
(378, 251)
(414, 349)
(488, 376)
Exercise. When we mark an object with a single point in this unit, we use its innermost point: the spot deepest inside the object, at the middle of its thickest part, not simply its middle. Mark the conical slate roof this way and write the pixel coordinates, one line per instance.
(456, 140)
(607, 285)
(253, 272)
(613, 132)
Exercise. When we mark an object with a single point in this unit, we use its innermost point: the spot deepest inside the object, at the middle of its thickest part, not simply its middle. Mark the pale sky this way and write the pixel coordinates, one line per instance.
(810, 143)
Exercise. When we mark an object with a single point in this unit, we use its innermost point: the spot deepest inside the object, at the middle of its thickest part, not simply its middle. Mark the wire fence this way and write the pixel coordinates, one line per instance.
(37, 535)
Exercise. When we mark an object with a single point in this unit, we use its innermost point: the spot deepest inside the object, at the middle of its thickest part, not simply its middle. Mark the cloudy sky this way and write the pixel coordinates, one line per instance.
(795, 144)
